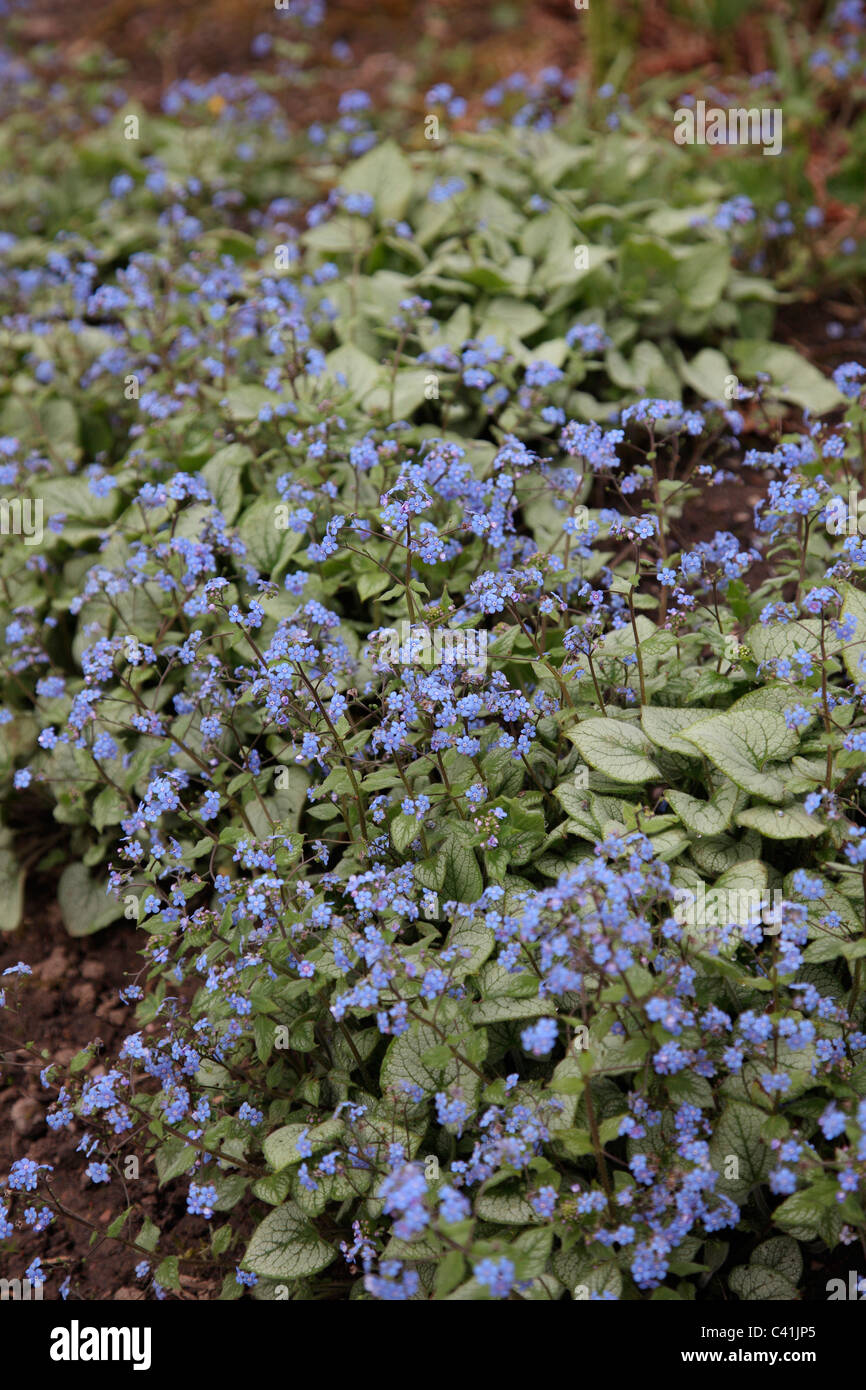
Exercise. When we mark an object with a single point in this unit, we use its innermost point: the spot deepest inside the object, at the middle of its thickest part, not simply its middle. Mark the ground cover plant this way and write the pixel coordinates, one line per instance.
(495, 844)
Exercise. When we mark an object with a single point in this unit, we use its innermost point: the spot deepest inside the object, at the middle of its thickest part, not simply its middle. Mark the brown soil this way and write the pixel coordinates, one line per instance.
(70, 999)
(470, 42)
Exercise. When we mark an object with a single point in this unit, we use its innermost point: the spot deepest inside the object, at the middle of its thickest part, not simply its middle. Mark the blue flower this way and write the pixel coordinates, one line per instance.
(540, 1037)
(497, 1276)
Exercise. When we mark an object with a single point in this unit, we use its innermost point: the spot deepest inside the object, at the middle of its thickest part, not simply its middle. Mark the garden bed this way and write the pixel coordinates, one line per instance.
(432, 743)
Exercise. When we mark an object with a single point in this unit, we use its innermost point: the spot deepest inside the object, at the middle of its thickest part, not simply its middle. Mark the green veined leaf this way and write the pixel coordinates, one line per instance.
(738, 1151)
(744, 746)
(663, 726)
(789, 823)
(757, 1284)
(287, 1246)
(279, 1147)
(781, 1254)
(462, 881)
(700, 817)
(403, 1061)
(854, 652)
(779, 642)
(830, 905)
(616, 748)
(811, 1213)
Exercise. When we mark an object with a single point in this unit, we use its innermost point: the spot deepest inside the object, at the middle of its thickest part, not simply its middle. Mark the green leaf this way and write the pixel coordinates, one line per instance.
(574, 800)
(701, 276)
(474, 937)
(612, 1054)
(521, 832)
(699, 817)
(403, 830)
(274, 1188)
(284, 807)
(430, 873)
(686, 1088)
(743, 745)
(462, 881)
(59, 420)
(618, 749)
(340, 233)
(287, 1246)
(360, 371)
(81, 1059)
(404, 1062)
(148, 1236)
(706, 373)
(408, 392)
(279, 1147)
(781, 1254)
(505, 1208)
(230, 1187)
(505, 996)
(531, 1251)
(604, 1278)
(738, 1135)
(173, 1158)
(370, 580)
(742, 889)
(118, 1223)
(221, 1239)
(222, 474)
(450, 1271)
(854, 652)
(757, 1284)
(790, 823)
(263, 1032)
(168, 1273)
(818, 909)
(716, 854)
(794, 379)
(808, 1214)
(11, 886)
(245, 402)
(109, 808)
(776, 697)
(84, 904)
(779, 642)
(582, 1275)
(73, 497)
(386, 174)
(827, 948)
(268, 547)
(651, 373)
(510, 319)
